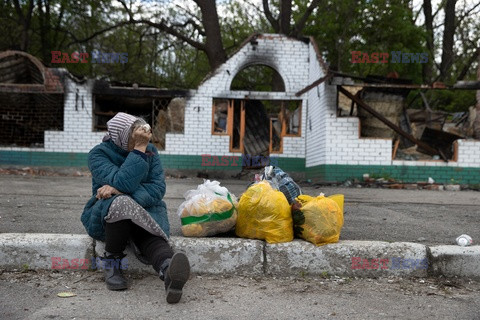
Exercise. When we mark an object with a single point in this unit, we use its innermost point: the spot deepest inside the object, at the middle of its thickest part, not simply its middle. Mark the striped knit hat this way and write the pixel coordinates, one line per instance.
(119, 129)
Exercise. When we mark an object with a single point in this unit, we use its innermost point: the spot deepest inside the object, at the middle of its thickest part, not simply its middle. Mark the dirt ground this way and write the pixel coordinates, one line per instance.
(33, 295)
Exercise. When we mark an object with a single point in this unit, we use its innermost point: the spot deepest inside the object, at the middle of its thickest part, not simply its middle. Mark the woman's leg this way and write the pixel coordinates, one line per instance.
(116, 237)
(155, 249)
(174, 269)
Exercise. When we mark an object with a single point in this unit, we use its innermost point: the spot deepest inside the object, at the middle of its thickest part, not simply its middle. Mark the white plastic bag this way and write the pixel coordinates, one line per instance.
(208, 210)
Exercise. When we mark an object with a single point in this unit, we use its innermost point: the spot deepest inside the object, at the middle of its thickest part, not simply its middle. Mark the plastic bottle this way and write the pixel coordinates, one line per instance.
(464, 240)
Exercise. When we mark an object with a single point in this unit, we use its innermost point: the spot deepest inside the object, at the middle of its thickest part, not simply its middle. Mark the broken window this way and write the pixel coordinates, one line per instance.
(165, 115)
(220, 112)
(292, 117)
(256, 127)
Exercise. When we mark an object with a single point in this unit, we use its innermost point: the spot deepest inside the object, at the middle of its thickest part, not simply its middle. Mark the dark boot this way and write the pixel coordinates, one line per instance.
(175, 272)
(113, 264)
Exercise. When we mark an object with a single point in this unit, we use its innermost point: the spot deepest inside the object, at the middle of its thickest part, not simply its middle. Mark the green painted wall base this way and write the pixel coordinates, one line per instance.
(66, 159)
(337, 173)
(33, 158)
(329, 173)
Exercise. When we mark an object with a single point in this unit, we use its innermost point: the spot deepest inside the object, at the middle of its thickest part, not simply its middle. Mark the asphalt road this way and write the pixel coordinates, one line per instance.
(53, 204)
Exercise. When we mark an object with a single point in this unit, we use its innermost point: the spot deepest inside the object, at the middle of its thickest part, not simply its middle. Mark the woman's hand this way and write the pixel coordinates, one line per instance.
(140, 138)
(106, 192)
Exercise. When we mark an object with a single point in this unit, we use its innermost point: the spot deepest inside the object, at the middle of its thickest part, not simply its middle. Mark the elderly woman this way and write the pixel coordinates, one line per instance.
(126, 205)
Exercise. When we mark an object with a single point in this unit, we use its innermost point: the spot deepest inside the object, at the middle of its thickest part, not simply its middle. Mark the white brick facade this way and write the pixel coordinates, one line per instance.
(287, 56)
(77, 135)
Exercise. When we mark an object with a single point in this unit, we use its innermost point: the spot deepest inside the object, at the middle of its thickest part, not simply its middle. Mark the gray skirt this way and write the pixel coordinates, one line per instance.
(123, 207)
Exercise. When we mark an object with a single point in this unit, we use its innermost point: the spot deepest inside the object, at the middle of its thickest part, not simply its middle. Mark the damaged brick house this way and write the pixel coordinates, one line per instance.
(296, 120)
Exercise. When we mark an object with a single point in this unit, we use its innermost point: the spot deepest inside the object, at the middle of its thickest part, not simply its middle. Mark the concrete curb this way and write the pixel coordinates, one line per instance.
(456, 261)
(347, 258)
(207, 256)
(36, 250)
(235, 256)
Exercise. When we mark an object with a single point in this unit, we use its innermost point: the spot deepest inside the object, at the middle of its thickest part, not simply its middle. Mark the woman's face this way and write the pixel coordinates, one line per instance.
(131, 141)
(135, 125)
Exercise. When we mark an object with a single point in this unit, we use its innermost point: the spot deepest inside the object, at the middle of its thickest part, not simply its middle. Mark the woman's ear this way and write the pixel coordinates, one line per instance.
(131, 143)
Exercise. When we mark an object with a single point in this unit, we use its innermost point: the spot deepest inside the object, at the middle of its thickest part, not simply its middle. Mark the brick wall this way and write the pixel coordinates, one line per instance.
(287, 56)
(77, 136)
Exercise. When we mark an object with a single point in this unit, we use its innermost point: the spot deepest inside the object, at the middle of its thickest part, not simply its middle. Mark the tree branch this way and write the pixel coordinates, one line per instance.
(467, 13)
(191, 22)
(440, 6)
(188, 12)
(172, 31)
(164, 27)
(274, 22)
(19, 10)
(469, 63)
(303, 20)
(95, 34)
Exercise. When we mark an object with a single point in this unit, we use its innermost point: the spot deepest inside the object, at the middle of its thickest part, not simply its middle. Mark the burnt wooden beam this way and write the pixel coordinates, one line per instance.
(313, 84)
(360, 103)
(26, 88)
(102, 87)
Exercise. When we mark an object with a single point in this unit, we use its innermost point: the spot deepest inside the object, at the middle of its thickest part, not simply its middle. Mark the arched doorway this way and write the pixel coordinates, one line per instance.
(256, 126)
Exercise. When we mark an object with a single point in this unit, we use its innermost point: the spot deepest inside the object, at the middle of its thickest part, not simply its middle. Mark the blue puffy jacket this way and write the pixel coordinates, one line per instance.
(130, 173)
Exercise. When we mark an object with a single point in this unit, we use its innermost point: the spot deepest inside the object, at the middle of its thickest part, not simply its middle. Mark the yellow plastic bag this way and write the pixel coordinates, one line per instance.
(318, 219)
(264, 213)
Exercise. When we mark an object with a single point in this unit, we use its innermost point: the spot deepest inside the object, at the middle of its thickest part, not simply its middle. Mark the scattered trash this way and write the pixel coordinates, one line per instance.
(66, 294)
(430, 180)
(347, 183)
(452, 187)
(421, 239)
(464, 240)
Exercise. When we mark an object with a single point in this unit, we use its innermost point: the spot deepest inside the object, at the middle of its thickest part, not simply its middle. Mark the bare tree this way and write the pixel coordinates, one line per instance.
(210, 30)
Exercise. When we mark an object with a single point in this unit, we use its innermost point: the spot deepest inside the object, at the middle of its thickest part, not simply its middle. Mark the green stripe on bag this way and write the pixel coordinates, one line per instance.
(216, 216)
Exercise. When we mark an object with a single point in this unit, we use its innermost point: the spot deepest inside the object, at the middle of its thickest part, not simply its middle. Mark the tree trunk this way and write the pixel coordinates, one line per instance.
(448, 33)
(476, 124)
(427, 67)
(44, 21)
(285, 16)
(213, 39)
(25, 21)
